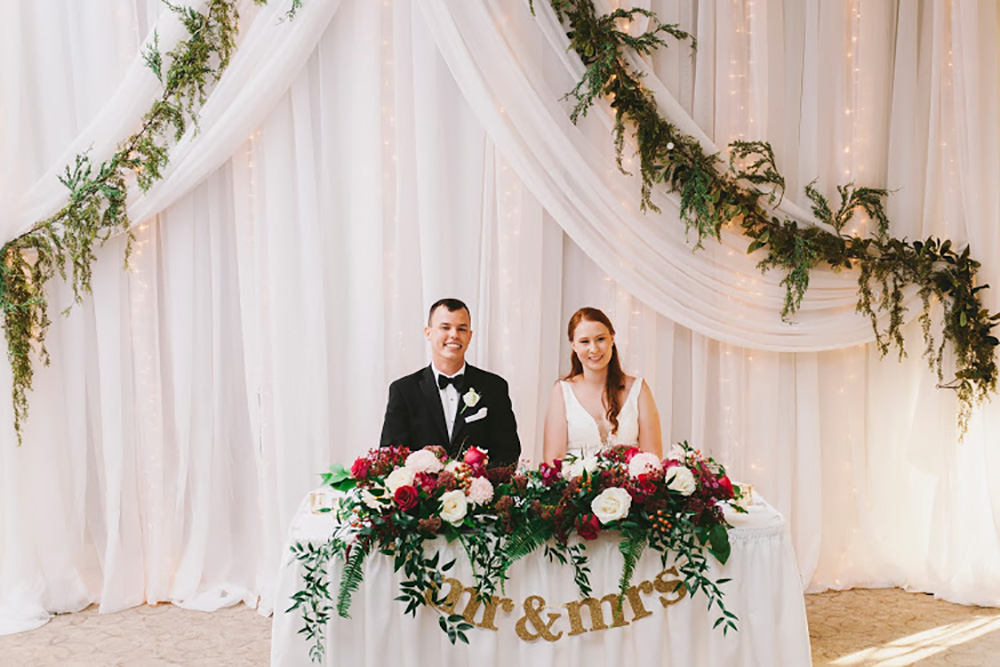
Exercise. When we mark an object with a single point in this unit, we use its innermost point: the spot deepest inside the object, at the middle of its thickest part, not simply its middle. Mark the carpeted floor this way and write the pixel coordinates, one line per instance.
(863, 627)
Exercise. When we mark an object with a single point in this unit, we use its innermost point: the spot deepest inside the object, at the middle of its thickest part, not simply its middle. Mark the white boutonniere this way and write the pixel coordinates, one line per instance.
(470, 399)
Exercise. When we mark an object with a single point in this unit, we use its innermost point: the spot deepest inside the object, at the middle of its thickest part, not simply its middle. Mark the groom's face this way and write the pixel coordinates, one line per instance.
(449, 333)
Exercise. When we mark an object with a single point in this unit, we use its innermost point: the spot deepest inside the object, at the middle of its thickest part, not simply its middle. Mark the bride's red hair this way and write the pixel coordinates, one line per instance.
(615, 381)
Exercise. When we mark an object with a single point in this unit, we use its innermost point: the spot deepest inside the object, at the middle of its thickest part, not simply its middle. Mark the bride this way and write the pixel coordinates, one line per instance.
(597, 405)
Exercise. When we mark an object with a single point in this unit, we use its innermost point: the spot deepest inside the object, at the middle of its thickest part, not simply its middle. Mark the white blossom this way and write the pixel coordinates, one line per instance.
(397, 478)
(480, 491)
(424, 460)
(681, 480)
(454, 507)
(611, 504)
(643, 463)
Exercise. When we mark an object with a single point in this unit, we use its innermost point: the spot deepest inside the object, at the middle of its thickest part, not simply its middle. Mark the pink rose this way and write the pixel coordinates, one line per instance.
(476, 458)
(360, 468)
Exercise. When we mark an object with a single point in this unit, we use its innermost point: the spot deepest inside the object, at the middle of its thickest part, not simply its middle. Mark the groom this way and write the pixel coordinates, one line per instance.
(451, 403)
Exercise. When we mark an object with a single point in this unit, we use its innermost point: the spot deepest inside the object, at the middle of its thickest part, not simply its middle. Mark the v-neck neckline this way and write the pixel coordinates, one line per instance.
(603, 440)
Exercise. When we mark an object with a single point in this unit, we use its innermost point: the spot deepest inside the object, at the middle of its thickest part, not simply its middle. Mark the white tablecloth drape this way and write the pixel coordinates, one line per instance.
(656, 628)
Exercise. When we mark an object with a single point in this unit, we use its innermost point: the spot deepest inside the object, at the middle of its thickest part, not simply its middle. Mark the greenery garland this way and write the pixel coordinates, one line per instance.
(713, 194)
(65, 244)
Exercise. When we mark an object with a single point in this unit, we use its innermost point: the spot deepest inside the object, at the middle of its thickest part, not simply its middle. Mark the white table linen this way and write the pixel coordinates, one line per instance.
(765, 593)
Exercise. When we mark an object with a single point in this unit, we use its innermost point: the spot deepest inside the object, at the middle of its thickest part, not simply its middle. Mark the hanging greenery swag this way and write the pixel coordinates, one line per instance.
(711, 195)
(65, 243)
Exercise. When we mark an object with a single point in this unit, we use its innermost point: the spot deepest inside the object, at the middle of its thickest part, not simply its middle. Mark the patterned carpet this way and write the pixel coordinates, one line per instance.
(850, 628)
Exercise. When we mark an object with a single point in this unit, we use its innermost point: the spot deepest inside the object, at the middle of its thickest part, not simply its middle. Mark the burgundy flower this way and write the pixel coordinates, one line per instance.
(656, 503)
(426, 481)
(641, 488)
(501, 475)
(588, 526)
(406, 497)
(520, 482)
(726, 486)
(550, 472)
(360, 468)
(446, 481)
(431, 525)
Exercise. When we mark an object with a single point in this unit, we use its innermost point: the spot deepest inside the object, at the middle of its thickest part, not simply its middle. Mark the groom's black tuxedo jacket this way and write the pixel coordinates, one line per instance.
(414, 416)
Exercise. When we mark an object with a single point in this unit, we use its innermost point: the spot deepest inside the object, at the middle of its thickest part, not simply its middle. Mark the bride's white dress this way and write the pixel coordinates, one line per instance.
(583, 433)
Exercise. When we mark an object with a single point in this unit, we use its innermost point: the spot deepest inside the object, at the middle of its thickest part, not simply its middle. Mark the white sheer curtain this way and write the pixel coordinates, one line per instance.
(193, 400)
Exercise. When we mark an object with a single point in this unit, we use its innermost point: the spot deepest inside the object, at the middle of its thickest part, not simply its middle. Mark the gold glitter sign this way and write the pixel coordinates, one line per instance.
(537, 619)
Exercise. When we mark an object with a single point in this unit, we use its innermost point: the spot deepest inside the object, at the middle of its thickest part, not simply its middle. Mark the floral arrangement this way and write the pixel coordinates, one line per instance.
(395, 500)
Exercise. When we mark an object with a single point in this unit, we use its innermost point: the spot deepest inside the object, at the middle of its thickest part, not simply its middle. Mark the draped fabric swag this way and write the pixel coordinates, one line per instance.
(361, 161)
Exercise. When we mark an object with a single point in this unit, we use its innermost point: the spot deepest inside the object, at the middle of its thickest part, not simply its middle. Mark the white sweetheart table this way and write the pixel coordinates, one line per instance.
(540, 618)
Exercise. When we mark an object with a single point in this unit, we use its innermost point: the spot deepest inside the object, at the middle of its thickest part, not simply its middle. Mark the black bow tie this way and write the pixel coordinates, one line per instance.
(458, 381)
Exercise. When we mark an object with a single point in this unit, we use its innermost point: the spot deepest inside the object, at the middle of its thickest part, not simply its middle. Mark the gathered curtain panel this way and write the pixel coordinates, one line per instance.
(364, 159)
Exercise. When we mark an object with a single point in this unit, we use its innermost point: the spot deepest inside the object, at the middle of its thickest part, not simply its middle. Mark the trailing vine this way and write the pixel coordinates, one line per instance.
(713, 194)
(65, 244)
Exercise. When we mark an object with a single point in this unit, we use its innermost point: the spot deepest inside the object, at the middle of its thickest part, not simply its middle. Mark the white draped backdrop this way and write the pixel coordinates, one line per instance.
(367, 158)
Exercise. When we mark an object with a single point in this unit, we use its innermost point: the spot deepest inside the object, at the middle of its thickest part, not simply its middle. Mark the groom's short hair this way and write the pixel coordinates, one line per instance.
(451, 304)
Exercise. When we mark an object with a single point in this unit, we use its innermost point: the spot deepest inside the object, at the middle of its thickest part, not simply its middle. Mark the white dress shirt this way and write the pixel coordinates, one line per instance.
(449, 398)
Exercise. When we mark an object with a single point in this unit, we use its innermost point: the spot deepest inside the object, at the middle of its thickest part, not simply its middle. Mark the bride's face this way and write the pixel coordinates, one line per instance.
(592, 343)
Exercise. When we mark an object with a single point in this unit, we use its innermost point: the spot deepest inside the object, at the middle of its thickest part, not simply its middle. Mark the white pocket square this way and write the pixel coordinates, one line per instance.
(476, 417)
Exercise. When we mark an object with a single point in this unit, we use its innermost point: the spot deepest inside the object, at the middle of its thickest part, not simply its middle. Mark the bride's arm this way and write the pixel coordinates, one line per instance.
(554, 446)
(650, 439)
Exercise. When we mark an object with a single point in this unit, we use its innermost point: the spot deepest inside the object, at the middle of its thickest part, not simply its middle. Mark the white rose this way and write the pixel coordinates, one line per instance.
(452, 466)
(423, 460)
(681, 480)
(372, 501)
(397, 478)
(471, 398)
(676, 453)
(454, 507)
(480, 491)
(572, 468)
(575, 466)
(611, 504)
(643, 463)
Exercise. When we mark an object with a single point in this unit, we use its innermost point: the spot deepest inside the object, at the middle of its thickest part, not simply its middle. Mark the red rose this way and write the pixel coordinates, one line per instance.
(360, 468)
(476, 458)
(630, 453)
(406, 497)
(588, 526)
(727, 487)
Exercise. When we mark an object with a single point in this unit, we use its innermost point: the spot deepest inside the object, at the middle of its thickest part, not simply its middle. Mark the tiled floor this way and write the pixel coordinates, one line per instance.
(864, 627)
